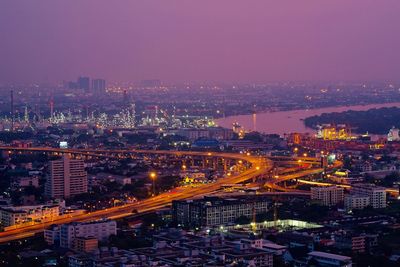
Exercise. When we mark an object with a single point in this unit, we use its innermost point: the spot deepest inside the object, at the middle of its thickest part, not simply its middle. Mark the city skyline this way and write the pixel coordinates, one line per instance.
(176, 42)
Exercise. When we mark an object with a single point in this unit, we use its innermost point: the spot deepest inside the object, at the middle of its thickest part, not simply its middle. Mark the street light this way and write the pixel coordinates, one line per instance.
(153, 176)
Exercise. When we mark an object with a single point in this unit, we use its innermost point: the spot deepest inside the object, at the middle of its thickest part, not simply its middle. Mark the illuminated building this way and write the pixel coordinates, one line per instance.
(193, 177)
(393, 135)
(67, 178)
(27, 214)
(239, 130)
(331, 132)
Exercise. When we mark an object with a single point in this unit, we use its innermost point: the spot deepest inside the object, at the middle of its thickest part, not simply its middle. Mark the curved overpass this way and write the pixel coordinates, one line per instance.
(257, 167)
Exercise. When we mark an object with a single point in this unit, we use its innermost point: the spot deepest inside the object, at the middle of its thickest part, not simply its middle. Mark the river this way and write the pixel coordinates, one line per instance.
(291, 121)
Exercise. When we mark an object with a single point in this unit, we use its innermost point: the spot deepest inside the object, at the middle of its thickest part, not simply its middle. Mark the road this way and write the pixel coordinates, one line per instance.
(258, 166)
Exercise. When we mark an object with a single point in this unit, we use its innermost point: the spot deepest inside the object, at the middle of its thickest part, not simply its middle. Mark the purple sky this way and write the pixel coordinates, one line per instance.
(203, 40)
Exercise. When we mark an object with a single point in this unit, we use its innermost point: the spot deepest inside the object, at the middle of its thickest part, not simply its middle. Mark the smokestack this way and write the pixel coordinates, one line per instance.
(12, 110)
(51, 108)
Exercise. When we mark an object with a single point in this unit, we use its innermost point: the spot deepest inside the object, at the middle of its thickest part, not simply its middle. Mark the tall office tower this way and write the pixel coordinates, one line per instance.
(67, 177)
(84, 83)
(98, 86)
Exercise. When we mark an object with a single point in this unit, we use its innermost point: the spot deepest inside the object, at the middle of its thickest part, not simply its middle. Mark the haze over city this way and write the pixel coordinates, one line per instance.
(209, 133)
(176, 41)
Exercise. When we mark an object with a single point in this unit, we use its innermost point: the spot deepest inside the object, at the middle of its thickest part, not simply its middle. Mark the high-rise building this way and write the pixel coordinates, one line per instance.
(376, 194)
(67, 177)
(84, 83)
(327, 196)
(98, 85)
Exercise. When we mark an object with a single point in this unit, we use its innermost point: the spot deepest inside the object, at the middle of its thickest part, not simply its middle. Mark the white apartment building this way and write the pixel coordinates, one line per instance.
(101, 230)
(327, 196)
(67, 177)
(24, 214)
(352, 202)
(376, 194)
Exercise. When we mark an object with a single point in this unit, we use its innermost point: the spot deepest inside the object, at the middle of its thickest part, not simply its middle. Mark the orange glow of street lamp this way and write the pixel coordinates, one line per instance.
(153, 177)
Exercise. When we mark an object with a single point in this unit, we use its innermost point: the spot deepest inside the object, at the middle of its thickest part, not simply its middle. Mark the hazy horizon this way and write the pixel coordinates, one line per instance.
(177, 41)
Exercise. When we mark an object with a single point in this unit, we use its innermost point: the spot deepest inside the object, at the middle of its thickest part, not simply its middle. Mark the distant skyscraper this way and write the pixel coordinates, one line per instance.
(67, 178)
(84, 83)
(98, 86)
(72, 85)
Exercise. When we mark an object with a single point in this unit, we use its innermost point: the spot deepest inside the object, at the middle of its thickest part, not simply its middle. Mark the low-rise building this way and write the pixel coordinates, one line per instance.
(11, 215)
(214, 211)
(354, 202)
(376, 194)
(327, 196)
(328, 259)
(85, 244)
(67, 233)
(25, 182)
(109, 257)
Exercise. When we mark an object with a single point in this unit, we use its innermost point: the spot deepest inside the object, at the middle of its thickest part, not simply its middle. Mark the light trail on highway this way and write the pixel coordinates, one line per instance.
(258, 167)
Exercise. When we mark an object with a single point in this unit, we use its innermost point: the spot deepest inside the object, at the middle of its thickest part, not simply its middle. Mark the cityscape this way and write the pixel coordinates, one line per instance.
(199, 134)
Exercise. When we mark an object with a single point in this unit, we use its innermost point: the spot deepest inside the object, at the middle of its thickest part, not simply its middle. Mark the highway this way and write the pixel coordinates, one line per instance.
(258, 166)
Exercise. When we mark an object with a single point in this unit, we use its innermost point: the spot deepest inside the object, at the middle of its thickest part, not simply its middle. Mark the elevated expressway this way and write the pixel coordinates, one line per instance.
(256, 167)
(292, 174)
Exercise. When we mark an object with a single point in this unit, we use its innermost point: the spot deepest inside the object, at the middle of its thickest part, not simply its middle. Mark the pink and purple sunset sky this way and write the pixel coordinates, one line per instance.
(203, 40)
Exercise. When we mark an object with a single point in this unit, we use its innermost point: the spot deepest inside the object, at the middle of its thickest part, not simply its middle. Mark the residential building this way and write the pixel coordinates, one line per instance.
(327, 196)
(355, 243)
(355, 202)
(214, 211)
(101, 230)
(376, 194)
(25, 182)
(67, 177)
(328, 259)
(10, 216)
(52, 235)
(109, 257)
(85, 244)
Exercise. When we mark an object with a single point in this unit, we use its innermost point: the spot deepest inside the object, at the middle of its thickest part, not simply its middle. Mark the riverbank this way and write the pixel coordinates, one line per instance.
(283, 122)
